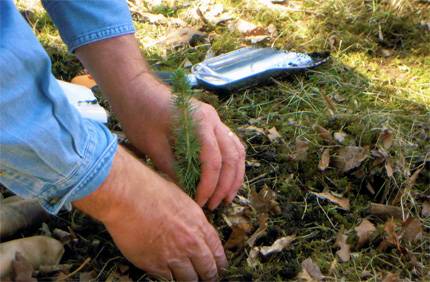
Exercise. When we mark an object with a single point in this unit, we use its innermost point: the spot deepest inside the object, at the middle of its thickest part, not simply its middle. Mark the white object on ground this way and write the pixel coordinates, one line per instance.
(84, 100)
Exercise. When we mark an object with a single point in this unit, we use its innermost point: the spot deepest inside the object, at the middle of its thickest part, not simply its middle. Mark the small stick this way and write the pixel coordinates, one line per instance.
(76, 270)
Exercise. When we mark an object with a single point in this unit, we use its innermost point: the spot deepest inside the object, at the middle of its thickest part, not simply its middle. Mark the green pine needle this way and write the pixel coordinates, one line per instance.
(186, 128)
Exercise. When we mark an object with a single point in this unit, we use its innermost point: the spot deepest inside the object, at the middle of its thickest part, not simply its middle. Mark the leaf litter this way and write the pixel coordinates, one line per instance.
(377, 139)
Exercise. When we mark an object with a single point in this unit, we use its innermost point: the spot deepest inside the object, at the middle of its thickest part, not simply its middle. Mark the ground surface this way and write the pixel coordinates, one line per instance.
(337, 157)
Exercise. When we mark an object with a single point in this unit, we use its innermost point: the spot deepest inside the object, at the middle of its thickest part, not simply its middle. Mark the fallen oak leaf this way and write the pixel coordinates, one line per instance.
(391, 277)
(265, 201)
(340, 243)
(279, 245)
(412, 229)
(260, 232)
(364, 232)
(310, 270)
(301, 153)
(239, 236)
(385, 212)
(350, 157)
(324, 133)
(425, 212)
(325, 159)
(386, 138)
(235, 214)
(393, 237)
(273, 134)
(342, 202)
(253, 258)
(250, 31)
(181, 36)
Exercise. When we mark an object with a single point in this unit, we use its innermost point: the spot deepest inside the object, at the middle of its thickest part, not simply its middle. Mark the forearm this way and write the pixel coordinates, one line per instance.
(125, 78)
(106, 203)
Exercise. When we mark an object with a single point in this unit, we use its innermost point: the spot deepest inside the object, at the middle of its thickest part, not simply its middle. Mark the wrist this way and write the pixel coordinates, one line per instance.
(107, 202)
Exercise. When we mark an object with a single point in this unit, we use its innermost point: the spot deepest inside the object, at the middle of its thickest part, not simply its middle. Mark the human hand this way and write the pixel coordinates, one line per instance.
(144, 107)
(155, 224)
(148, 124)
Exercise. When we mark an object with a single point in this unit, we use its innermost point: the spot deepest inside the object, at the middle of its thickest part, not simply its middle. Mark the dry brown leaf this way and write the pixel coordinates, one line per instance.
(325, 159)
(260, 232)
(348, 158)
(426, 209)
(249, 30)
(391, 277)
(414, 177)
(273, 31)
(386, 138)
(265, 201)
(386, 211)
(239, 235)
(364, 231)
(389, 166)
(304, 275)
(382, 151)
(252, 129)
(340, 243)
(181, 36)
(324, 133)
(301, 153)
(277, 246)
(310, 269)
(342, 202)
(273, 134)
(412, 229)
(213, 14)
(235, 214)
(393, 238)
(253, 258)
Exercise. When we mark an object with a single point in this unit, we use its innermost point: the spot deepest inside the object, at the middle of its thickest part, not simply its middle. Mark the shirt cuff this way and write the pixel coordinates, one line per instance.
(92, 172)
(83, 22)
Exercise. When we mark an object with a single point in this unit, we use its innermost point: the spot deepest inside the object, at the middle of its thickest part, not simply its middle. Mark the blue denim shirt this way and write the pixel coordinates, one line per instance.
(47, 150)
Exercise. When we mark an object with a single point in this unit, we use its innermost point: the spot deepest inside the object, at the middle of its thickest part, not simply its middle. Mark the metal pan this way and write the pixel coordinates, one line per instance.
(248, 67)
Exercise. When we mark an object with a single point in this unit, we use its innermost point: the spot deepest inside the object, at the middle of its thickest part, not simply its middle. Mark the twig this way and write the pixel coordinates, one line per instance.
(76, 270)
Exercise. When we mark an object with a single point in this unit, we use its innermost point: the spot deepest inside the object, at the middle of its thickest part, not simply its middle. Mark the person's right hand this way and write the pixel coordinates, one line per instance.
(154, 223)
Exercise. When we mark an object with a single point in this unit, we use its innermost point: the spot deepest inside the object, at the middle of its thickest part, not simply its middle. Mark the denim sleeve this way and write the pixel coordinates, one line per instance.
(48, 150)
(81, 22)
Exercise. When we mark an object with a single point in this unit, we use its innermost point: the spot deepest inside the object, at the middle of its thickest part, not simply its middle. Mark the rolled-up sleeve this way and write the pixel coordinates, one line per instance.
(83, 22)
(48, 150)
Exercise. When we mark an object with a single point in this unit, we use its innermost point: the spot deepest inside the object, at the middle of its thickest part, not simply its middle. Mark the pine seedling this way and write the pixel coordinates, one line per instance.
(187, 143)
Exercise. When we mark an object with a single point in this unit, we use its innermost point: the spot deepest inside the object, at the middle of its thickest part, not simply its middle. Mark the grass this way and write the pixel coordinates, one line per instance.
(377, 79)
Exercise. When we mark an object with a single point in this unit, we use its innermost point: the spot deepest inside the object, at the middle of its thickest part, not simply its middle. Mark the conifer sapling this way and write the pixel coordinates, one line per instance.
(187, 143)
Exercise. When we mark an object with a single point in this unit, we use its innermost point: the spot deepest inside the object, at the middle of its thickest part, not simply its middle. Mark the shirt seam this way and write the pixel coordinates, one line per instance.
(100, 34)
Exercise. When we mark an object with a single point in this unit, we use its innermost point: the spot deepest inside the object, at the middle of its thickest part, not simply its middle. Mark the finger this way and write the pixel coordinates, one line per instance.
(183, 270)
(205, 265)
(230, 158)
(240, 169)
(211, 166)
(215, 246)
